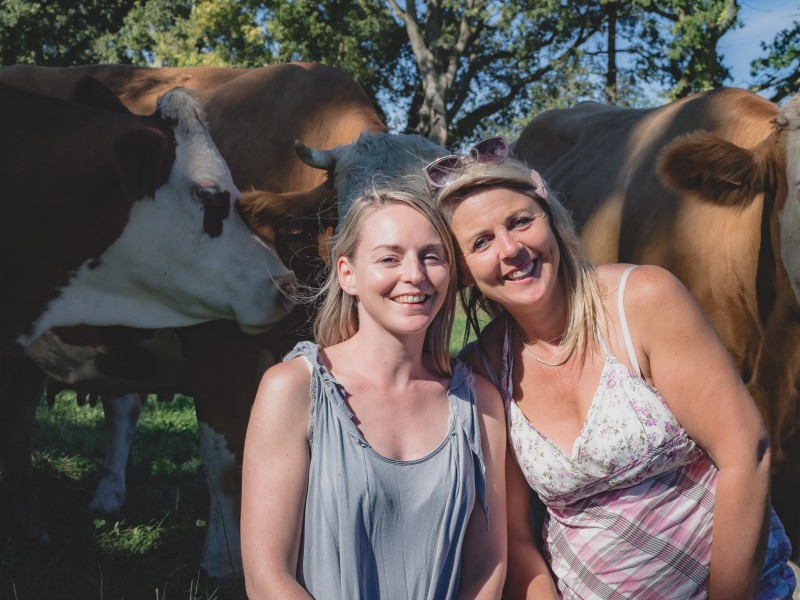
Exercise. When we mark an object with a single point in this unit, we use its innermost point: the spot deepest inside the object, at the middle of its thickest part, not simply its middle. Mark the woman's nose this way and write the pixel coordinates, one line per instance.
(506, 244)
(413, 271)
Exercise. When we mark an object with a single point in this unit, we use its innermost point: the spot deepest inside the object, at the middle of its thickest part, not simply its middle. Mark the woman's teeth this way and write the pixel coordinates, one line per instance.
(409, 299)
(523, 272)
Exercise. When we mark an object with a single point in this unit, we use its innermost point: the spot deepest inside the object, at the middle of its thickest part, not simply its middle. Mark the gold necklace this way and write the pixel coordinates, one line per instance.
(544, 362)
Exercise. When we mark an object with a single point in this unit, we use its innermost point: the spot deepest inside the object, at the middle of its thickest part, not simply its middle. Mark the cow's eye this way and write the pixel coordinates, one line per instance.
(205, 193)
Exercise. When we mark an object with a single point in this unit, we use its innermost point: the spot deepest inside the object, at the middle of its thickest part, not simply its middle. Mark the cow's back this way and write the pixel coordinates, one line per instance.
(137, 87)
(254, 114)
(256, 119)
(601, 161)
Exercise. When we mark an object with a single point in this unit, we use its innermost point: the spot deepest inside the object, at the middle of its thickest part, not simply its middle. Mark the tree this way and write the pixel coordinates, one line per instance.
(477, 58)
(56, 32)
(693, 61)
(189, 32)
(779, 70)
(670, 42)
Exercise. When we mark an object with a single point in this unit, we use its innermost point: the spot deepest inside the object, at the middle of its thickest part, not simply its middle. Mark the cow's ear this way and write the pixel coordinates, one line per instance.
(716, 170)
(143, 160)
(92, 92)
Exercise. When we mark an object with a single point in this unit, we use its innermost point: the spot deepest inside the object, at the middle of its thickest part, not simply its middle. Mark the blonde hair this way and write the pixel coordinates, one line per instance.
(578, 275)
(337, 319)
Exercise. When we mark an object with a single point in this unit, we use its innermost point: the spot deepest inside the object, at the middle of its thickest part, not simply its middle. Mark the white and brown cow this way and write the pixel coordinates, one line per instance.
(261, 111)
(114, 219)
(707, 187)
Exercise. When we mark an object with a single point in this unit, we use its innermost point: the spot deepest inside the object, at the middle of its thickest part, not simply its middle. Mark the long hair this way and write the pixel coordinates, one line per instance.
(578, 275)
(337, 319)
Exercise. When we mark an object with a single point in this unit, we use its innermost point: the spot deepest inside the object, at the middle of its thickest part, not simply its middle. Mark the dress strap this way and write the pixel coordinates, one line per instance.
(626, 334)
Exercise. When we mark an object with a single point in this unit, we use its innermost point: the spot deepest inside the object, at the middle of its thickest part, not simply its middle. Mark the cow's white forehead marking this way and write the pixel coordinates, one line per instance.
(378, 159)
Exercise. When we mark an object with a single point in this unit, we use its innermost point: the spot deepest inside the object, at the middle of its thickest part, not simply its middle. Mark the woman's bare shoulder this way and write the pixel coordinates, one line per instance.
(286, 384)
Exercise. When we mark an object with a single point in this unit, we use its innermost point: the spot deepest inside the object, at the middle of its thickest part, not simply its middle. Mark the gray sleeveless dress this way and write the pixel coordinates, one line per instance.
(381, 528)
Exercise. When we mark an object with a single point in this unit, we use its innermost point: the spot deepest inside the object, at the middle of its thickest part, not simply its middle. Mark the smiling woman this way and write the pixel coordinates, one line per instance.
(625, 414)
(389, 455)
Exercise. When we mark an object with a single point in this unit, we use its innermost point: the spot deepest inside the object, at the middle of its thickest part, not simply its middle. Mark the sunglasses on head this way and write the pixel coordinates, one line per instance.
(447, 169)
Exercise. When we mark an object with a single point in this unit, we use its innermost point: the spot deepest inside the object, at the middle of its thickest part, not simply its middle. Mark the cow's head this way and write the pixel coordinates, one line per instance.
(297, 224)
(374, 159)
(184, 256)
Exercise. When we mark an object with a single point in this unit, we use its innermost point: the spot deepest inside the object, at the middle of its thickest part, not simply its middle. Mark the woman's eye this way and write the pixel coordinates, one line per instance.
(480, 243)
(387, 260)
(520, 222)
(432, 258)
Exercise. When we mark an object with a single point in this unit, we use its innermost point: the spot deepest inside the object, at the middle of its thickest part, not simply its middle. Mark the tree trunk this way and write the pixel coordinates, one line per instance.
(433, 112)
(611, 90)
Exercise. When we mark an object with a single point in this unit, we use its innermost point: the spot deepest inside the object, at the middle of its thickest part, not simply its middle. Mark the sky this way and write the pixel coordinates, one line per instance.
(762, 20)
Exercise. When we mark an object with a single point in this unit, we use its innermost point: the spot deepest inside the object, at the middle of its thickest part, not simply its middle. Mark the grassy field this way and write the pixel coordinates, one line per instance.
(152, 551)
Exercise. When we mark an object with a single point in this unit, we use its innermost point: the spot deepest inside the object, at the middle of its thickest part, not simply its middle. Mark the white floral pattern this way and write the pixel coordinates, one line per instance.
(629, 435)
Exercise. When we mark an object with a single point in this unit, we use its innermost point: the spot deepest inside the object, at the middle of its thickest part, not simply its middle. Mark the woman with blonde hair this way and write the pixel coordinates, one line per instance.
(625, 414)
(374, 463)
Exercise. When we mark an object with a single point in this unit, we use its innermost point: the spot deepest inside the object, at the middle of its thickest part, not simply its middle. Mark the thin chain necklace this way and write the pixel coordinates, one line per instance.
(544, 362)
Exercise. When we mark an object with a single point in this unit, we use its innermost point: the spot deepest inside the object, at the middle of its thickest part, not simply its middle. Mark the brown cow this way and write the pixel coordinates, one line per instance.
(707, 187)
(254, 116)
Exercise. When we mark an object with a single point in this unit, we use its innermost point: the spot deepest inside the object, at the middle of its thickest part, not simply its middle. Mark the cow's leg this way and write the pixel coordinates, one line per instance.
(222, 555)
(225, 377)
(21, 389)
(122, 417)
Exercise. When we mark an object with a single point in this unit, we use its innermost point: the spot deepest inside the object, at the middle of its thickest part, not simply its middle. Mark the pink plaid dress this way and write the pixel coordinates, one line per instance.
(629, 511)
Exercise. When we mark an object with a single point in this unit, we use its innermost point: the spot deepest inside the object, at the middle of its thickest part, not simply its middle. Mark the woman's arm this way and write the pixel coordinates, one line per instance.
(483, 556)
(274, 482)
(696, 377)
(528, 575)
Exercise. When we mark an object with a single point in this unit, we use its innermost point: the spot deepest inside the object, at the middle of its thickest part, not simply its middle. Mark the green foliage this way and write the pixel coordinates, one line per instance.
(123, 540)
(779, 70)
(454, 70)
(189, 33)
(56, 32)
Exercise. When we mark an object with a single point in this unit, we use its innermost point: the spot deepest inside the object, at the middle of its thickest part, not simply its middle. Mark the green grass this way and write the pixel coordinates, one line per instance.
(153, 550)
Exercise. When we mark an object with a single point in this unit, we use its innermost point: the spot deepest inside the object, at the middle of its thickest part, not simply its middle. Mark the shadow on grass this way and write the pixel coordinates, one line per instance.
(152, 550)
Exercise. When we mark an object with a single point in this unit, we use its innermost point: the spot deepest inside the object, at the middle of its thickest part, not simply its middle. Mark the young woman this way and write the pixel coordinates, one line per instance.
(374, 463)
(625, 413)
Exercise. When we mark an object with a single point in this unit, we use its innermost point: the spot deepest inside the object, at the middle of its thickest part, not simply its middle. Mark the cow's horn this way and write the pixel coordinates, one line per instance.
(319, 159)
